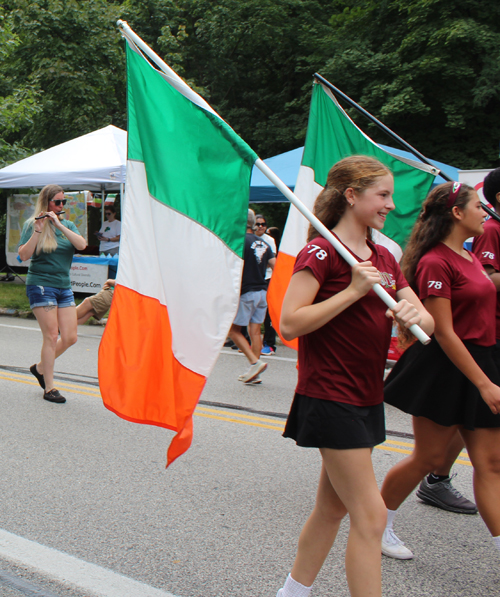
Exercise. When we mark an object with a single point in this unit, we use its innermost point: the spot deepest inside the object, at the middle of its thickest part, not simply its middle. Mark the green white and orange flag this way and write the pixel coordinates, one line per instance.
(181, 252)
(332, 136)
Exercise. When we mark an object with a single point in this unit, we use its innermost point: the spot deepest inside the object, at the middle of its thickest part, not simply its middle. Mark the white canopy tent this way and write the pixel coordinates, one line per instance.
(94, 162)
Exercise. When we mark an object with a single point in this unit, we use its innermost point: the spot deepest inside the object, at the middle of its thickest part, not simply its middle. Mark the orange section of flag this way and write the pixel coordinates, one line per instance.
(139, 377)
(278, 285)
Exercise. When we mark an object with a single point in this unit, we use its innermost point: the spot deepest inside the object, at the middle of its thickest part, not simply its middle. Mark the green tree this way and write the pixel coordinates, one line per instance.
(429, 69)
(251, 59)
(18, 103)
(70, 56)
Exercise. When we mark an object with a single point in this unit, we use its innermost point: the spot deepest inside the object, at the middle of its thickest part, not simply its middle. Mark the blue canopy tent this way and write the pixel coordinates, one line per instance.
(286, 166)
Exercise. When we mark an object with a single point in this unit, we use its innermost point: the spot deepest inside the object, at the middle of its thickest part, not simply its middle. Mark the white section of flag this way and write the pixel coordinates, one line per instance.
(160, 258)
(295, 233)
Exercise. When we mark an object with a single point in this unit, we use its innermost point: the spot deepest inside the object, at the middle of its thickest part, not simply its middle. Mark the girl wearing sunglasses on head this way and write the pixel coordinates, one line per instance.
(50, 242)
(452, 384)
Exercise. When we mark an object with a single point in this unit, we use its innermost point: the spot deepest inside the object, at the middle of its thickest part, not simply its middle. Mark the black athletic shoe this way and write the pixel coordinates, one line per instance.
(444, 495)
(39, 376)
(54, 396)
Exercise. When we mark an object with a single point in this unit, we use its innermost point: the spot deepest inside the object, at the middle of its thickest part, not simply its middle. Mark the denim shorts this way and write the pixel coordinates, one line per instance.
(46, 296)
(252, 308)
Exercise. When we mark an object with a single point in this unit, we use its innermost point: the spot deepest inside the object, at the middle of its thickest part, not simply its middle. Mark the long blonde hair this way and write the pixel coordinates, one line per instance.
(357, 172)
(47, 241)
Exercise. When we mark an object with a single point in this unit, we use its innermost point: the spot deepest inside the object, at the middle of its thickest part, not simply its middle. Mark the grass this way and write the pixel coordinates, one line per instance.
(13, 296)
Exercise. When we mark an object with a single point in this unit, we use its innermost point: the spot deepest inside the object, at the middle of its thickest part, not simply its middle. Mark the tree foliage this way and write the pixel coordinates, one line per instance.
(69, 56)
(251, 59)
(429, 69)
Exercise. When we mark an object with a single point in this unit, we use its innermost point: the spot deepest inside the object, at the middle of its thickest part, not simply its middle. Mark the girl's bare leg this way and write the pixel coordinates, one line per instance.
(68, 329)
(47, 320)
(319, 532)
(429, 453)
(53, 320)
(483, 446)
(452, 453)
(347, 484)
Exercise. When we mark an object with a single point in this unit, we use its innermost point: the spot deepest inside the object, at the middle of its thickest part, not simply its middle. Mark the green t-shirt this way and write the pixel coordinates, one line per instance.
(51, 269)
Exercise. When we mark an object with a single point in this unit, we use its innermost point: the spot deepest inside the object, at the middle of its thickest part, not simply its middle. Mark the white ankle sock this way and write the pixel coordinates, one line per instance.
(292, 588)
(390, 518)
(496, 540)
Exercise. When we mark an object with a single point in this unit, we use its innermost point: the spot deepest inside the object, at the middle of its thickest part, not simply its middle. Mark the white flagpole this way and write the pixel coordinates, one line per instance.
(417, 331)
(278, 183)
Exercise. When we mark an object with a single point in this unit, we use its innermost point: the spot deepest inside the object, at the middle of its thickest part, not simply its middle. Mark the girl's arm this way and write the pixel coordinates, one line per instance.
(75, 238)
(455, 350)
(26, 251)
(300, 316)
(410, 310)
(494, 275)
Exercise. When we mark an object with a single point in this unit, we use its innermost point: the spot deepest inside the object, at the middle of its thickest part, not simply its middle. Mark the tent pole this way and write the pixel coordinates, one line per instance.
(122, 197)
(102, 205)
(393, 135)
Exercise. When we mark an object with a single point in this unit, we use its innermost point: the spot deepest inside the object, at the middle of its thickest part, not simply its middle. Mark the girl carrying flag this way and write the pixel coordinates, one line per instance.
(344, 332)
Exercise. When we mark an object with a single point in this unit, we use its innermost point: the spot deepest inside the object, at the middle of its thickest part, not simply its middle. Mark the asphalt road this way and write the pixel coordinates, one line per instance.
(87, 507)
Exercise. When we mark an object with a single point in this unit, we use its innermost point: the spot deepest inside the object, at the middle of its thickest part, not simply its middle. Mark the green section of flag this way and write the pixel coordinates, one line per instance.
(331, 136)
(195, 163)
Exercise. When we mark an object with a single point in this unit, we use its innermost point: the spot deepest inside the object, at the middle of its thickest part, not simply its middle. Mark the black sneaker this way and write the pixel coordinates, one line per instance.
(54, 396)
(39, 376)
(444, 495)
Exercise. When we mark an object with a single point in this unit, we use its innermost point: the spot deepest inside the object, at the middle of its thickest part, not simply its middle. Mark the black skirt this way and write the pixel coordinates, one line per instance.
(425, 383)
(315, 423)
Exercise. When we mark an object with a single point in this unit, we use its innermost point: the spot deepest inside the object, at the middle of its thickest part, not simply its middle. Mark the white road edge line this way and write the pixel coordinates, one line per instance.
(33, 329)
(68, 570)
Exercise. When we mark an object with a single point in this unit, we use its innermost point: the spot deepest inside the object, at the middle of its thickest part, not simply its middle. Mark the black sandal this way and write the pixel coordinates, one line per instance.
(54, 396)
(39, 376)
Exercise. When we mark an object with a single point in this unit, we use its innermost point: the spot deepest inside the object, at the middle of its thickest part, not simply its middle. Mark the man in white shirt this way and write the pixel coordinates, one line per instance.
(110, 231)
(269, 344)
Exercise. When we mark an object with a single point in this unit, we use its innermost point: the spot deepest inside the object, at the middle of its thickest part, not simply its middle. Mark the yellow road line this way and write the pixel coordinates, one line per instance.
(235, 420)
(66, 387)
(238, 414)
(221, 415)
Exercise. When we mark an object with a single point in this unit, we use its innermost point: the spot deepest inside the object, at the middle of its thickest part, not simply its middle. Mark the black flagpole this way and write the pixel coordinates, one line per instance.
(393, 135)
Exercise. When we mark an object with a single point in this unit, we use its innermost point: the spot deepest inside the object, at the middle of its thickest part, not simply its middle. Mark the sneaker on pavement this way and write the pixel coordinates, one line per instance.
(255, 381)
(393, 547)
(54, 396)
(443, 495)
(267, 350)
(253, 372)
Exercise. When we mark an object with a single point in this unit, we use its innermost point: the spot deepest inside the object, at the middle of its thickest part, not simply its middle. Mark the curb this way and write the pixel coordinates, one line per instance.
(29, 315)
(17, 313)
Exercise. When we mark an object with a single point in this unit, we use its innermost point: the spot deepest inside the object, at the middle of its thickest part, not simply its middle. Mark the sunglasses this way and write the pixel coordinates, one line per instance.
(59, 202)
(108, 213)
(260, 224)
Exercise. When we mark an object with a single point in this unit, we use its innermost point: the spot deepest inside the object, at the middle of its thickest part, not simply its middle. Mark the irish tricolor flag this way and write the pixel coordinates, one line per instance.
(181, 252)
(331, 136)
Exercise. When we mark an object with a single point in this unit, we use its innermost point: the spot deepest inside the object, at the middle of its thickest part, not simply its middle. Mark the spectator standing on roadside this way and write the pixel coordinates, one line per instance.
(253, 304)
(269, 345)
(110, 232)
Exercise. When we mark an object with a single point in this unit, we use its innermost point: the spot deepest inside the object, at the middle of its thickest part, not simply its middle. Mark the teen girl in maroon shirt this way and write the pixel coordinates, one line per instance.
(452, 384)
(344, 335)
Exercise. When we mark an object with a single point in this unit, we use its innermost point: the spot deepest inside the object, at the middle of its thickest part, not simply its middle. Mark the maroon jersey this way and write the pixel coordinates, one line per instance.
(487, 249)
(444, 273)
(344, 360)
